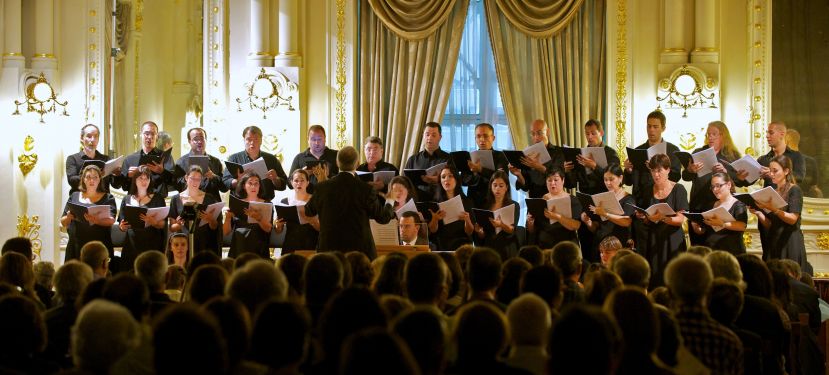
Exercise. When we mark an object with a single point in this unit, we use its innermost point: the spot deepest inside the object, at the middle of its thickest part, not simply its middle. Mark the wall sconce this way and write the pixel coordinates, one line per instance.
(267, 92)
(40, 98)
(684, 89)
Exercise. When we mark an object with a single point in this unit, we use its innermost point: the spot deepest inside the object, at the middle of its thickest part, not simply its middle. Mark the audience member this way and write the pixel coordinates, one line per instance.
(512, 272)
(348, 312)
(532, 254)
(455, 281)
(44, 271)
(240, 261)
(203, 258)
(724, 302)
(546, 282)
(323, 278)
(187, 340)
(361, 272)
(633, 269)
(529, 323)
(394, 305)
(567, 257)
(376, 351)
(699, 250)
(281, 336)
(70, 280)
(599, 284)
(209, 281)
(235, 328)
(16, 270)
(104, 332)
(390, 278)
(24, 335)
(96, 256)
(480, 336)
(426, 278)
(579, 327)
(174, 280)
(483, 274)
(22, 245)
(256, 283)
(639, 323)
(293, 265)
(151, 268)
(424, 330)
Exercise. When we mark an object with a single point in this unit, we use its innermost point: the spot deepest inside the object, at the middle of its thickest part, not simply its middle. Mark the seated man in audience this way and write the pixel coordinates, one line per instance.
(44, 272)
(256, 283)
(70, 280)
(410, 229)
(95, 255)
(324, 158)
(151, 268)
(21, 245)
(725, 300)
(104, 332)
(544, 281)
(689, 278)
(483, 272)
(567, 257)
(529, 321)
(804, 297)
(608, 248)
(633, 269)
(427, 281)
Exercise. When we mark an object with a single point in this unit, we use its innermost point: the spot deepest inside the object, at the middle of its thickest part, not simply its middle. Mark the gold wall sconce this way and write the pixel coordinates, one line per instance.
(40, 98)
(687, 88)
(267, 92)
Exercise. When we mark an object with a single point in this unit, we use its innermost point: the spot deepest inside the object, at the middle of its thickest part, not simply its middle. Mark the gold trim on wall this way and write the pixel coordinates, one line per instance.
(28, 227)
(139, 26)
(340, 75)
(28, 159)
(621, 78)
(759, 14)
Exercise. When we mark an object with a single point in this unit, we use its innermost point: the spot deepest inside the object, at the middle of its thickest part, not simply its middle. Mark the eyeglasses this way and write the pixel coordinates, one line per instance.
(717, 186)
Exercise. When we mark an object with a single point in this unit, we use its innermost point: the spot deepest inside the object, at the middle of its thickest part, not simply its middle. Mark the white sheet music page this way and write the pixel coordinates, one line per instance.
(453, 209)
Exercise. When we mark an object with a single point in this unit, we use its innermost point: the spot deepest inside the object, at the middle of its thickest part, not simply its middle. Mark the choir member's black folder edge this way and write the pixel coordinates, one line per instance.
(414, 176)
(460, 160)
(132, 216)
(586, 201)
(424, 207)
(536, 207)
(238, 206)
(638, 157)
(288, 213)
(155, 158)
(747, 199)
(514, 158)
(482, 218)
(366, 177)
(695, 216)
(202, 162)
(313, 163)
(78, 209)
(571, 155)
(190, 211)
(643, 210)
(685, 158)
(234, 168)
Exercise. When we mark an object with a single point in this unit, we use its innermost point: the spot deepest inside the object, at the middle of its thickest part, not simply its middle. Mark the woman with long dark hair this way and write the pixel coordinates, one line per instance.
(206, 237)
(151, 236)
(780, 227)
(458, 232)
(499, 195)
(252, 232)
(613, 225)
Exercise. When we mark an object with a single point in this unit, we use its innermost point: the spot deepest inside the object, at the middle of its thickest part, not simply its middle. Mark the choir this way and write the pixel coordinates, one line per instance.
(573, 195)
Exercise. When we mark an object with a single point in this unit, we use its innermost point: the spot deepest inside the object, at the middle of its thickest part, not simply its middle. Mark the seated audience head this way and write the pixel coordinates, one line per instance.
(256, 283)
(103, 332)
(70, 281)
(209, 281)
(545, 282)
(348, 312)
(227, 264)
(394, 305)
(725, 301)
(756, 276)
(129, 291)
(347, 266)
(44, 272)
(188, 340)
(16, 270)
(638, 322)
(234, 325)
(202, 258)
(368, 351)
(619, 255)
(281, 335)
(567, 257)
(426, 278)
(792, 267)
(529, 320)
(688, 277)
(94, 290)
(598, 285)
(579, 327)
(699, 250)
(96, 256)
(724, 264)
(455, 276)
(361, 272)
(608, 248)
(390, 278)
(512, 271)
(23, 328)
(151, 268)
(244, 258)
(633, 269)
(293, 265)
(425, 332)
(480, 335)
(175, 278)
(323, 277)
(532, 254)
(483, 270)
(661, 296)
(347, 159)
(22, 245)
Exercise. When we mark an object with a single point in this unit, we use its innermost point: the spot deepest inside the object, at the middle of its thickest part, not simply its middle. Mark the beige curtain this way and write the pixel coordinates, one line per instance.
(405, 83)
(412, 19)
(559, 78)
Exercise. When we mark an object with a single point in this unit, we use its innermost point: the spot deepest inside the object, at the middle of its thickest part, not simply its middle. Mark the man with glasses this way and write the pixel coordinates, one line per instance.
(162, 171)
(275, 178)
(211, 182)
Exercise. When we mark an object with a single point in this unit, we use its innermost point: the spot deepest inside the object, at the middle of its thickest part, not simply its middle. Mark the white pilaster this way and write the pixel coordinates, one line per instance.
(259, 27)
(13, 53)
(705, 32)
(44, 58)
(674, 32)
(288, 47)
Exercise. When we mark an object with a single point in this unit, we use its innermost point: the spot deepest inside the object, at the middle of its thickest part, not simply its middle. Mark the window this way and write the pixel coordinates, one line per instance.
(475, 96)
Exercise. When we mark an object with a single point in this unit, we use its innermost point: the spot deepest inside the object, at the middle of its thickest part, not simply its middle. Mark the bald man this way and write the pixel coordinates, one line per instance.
(776, 137)
(534, 182)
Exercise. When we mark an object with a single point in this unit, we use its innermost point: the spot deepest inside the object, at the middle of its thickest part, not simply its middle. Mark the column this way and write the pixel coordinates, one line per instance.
(44, 36)
(181, 63)
(259, 25)
(705, 32)
(674, 52)
(12, 40)
(288, 47)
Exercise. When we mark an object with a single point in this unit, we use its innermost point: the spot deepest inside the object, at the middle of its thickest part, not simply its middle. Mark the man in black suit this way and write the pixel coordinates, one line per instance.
(317, 152)
(212, 178)
(274, 180)
(410, 229)
(162, 172)
(533, 178)
(590, 177)
(345, 204)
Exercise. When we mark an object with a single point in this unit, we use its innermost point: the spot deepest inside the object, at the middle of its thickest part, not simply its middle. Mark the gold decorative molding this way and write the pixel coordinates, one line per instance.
(621, 77)
(44, 55)
(28, 159)
(12, 54)
(747, 239)
(139, 26)
(758, 15)
(823, 240)
(270, 142)
(28, 227)
(340, 75)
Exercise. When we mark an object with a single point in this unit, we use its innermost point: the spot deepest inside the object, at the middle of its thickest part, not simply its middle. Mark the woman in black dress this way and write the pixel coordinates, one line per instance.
(450, 236)
(664, 236)
(401, 191)
(90, 192)
(151, 237)
(252, 232)
(780, 227)
(302, 236)
(615, 225)
(702, 197)
(566, 227)
(207, 237)
(716, 233)
(499, 196)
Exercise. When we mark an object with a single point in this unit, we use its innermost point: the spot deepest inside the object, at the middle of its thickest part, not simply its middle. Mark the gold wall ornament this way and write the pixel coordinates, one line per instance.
(750, 151)
(271, 144)
(267, 92)
(758, 38)
(688, 141)
(340, 75)
(823, 240)
(621, 78)
(40, 97)
(747, 239)
(27, 160)
(28, 227)
(685, 90)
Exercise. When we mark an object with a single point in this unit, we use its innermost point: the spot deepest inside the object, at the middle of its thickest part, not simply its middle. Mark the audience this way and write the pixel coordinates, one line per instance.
(70, 280)
(209, 281)
(633, 269)
(255, 283)
(480, 336)
(529, 321)
(187, 340)
(102, 334)
(567, 257)
(426, 277)
(424, 330)
(639, 324)
(376, 351)
(293, 265)
(151, 268)
(389, 279)
(599, 284)
(483, 274)
(23, 335)
(512, 272)
(96, 256)
(584, 340)
(21, 245)
(281, 337)
(44, 271)
(544, 281)
(174, 282)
